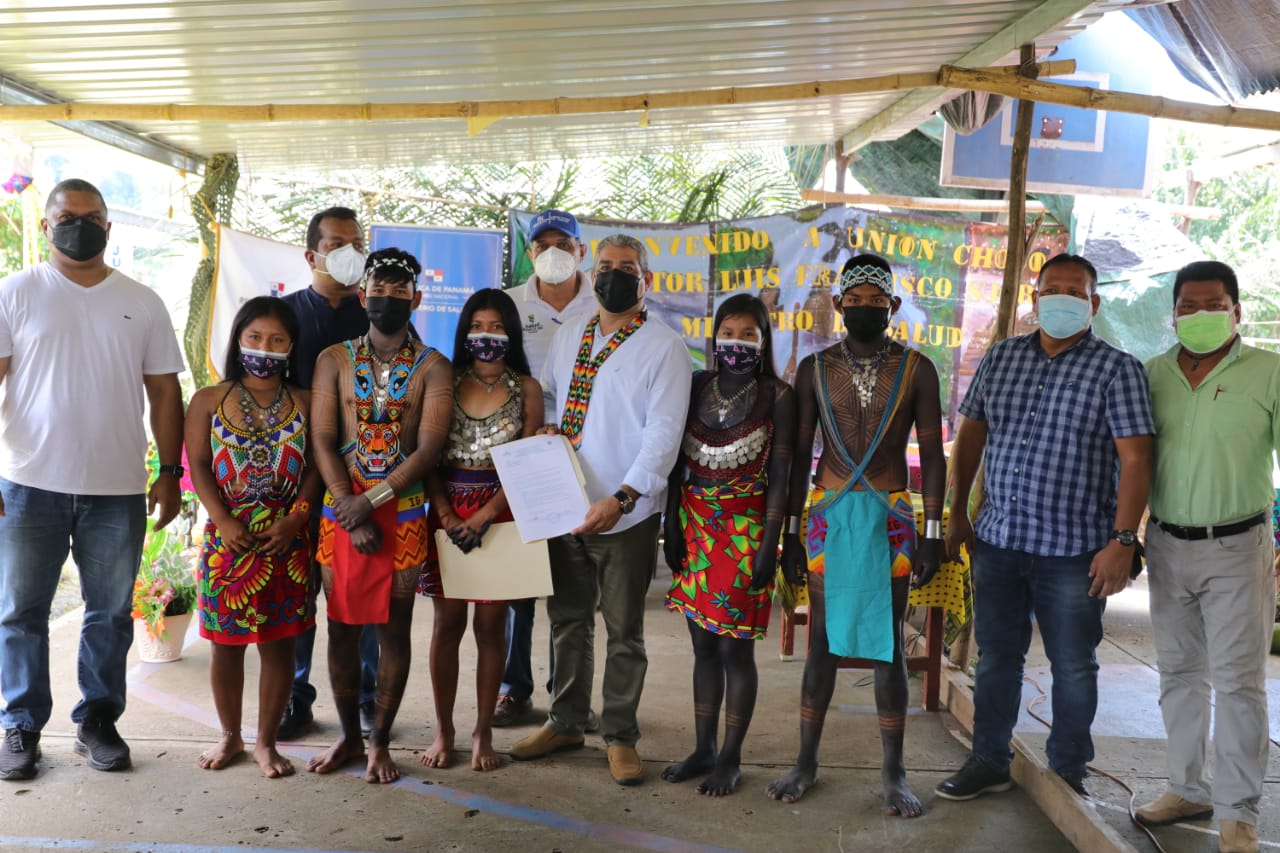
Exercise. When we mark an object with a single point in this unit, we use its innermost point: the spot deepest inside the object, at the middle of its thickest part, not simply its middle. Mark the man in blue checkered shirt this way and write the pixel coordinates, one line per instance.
(1065, 422)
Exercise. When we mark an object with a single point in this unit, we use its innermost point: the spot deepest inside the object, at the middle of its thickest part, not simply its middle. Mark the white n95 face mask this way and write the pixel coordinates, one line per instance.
(345, 264)
(555, 266)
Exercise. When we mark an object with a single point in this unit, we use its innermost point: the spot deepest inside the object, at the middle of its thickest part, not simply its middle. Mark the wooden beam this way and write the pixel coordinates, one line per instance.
(488, 109)
(1044, 18)
(1080, 822)
(906, 202)
(1101, 99)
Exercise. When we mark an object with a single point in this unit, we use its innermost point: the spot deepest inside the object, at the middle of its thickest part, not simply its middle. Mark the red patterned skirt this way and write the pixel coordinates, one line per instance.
(469, 489)
(254, 597)
(722, 528)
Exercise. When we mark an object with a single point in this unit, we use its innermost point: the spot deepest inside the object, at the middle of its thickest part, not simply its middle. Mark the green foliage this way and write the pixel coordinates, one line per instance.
(1247, 236)
(166, 583)
(10, 234)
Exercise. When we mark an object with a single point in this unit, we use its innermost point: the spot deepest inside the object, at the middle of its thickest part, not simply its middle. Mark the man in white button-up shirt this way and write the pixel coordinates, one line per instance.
(618, 383)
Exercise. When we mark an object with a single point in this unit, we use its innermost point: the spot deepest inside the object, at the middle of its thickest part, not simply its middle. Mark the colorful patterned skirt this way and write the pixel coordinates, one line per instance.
(254, 597)
(722, 527)
(469, 489)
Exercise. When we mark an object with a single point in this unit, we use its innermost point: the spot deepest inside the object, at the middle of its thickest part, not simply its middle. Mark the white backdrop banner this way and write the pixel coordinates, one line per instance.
(248, 266)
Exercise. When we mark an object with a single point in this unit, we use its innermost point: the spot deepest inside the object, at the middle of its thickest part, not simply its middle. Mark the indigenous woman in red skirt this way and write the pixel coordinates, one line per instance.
(250, 464)
(495, 401)
(721, 530)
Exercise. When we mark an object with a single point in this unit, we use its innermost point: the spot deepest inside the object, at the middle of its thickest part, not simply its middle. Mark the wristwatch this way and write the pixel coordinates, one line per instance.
(1127, 538)
(627, 502)
(175, 470)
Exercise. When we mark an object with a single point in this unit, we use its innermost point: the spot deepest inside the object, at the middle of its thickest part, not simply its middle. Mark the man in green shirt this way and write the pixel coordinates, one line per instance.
(1210, 550)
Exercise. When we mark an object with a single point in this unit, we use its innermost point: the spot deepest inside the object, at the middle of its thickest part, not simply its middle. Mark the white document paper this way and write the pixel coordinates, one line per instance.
(544, 485)
(502, 569)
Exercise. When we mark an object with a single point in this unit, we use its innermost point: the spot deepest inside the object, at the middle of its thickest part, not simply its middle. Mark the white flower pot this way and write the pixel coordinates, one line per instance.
(169, 646)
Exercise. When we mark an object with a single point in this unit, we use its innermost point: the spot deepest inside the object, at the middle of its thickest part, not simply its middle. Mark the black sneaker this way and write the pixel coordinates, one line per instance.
(19, 754)
(297, 717)
(368, 716)
(974, 779)
(98, 739)
(1076, 783)
(511, 711)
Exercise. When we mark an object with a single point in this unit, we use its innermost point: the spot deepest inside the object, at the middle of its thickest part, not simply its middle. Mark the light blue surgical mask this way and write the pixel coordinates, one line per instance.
(1062, 316)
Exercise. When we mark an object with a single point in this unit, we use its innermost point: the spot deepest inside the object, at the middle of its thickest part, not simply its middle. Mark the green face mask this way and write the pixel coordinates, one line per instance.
(1205, 331)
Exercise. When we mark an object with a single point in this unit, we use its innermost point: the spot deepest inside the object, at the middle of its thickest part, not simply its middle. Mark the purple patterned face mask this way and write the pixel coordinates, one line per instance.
(486, 347)
(738, 356)
(263, 364)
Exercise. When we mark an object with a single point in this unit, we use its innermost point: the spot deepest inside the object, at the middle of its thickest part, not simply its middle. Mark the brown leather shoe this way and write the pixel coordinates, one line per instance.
(544, 741)
(1237, 837)
(625, 765)
(1170, 808)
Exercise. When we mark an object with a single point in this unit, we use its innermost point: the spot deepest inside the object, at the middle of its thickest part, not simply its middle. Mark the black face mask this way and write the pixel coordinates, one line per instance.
(617, 290)
(866, 323)
(388, 314)
(79, 239)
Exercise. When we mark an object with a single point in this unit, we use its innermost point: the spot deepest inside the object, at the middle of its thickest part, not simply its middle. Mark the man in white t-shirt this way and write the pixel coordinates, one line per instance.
(556, 293)
(80, 346)
(616, 384)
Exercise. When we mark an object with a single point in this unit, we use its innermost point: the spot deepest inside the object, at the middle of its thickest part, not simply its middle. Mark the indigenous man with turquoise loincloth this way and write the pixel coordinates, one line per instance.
(857, 540)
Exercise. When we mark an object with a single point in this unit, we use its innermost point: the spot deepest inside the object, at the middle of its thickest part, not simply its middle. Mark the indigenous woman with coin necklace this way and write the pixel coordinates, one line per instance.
(722, 527)
(495, 401)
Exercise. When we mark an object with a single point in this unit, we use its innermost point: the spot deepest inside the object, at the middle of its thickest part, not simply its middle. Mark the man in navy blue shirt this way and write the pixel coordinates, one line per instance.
(329, 312)
(1058, 412)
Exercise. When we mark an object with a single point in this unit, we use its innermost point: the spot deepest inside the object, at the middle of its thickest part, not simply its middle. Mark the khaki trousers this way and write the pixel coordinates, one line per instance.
(1212, 608)
(612, 571)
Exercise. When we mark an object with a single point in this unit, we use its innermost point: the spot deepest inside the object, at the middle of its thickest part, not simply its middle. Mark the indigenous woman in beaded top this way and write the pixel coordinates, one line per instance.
(495, 401)
(247, 446)
(722, 527)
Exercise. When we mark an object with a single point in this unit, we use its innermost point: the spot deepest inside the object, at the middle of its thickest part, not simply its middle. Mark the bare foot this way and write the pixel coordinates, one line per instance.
(337, 756)
(272, 764)
(695, 764)
(898, 799)
(791, 787)
(440, 754)
(227, 750)
(381, 768)
(722, 782)
(483, 758)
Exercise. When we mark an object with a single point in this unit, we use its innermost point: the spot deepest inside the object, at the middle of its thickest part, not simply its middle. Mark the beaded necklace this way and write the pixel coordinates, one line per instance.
(261, 418)
(585, 369)
(381, 392)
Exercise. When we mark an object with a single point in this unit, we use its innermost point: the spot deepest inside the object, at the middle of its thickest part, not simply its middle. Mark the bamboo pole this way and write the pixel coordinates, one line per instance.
(981, 205)
(906, 202)
(494, 109)
(1017, 251)
(1100, 99)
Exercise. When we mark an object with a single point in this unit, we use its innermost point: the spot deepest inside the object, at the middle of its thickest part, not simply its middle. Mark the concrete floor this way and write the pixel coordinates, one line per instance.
(566, 803)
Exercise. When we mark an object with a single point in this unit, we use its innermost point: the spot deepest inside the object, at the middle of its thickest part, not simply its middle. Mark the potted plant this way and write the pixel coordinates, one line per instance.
(164, 596)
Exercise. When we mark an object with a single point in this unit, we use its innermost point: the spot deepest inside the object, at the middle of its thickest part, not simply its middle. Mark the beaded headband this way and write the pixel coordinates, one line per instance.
(390, 262)
(866, 274)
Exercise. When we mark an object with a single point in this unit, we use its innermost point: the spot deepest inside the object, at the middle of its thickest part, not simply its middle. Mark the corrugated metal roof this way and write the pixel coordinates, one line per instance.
(342, 51)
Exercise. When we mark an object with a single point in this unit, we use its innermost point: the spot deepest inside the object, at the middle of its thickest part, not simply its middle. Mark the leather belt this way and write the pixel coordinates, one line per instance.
(1214, 532)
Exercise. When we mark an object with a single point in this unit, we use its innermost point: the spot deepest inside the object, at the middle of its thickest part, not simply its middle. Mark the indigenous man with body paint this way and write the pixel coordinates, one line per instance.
(858, 545)
(381, 410)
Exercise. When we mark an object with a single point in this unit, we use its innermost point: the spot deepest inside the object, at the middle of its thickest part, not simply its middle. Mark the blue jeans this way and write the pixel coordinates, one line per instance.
(517, 678)
(104, 533)
(1009, 587)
